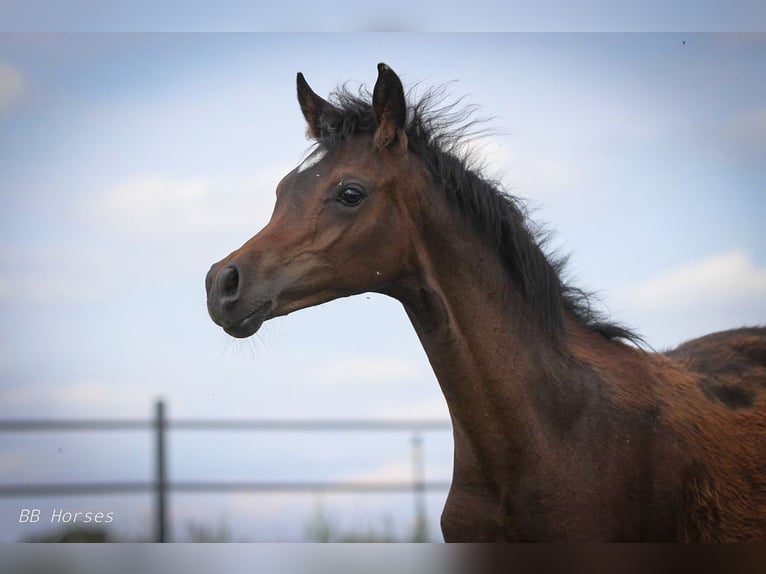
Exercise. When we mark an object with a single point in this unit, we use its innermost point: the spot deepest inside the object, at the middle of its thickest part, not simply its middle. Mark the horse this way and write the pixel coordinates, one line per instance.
(566, 426)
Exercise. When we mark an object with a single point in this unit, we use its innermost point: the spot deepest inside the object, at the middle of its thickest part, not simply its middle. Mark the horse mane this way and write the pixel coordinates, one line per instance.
(439, 133)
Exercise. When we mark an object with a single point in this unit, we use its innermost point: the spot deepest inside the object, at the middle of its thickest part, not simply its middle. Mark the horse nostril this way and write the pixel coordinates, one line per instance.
(229, 283)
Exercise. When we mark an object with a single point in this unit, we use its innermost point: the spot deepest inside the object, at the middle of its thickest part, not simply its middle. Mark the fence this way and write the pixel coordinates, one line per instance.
(160, 425)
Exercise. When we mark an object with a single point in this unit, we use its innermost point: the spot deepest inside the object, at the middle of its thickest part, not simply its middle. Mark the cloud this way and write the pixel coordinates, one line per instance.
(42, 288)
(80, 397)
(161, 205)
(54, 273)
(430, 409)
(168, 215)
(368, 370)
(719, 280)
(539, 175)
(524, 167)
(13, 87)
(401, 470)
(749, 128)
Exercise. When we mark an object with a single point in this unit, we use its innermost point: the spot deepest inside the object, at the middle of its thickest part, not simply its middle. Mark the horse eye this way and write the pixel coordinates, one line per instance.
(351, 195)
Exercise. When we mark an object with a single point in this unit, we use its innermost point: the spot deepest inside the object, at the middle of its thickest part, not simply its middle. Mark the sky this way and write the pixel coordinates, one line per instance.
(392, 16)
(130, 163)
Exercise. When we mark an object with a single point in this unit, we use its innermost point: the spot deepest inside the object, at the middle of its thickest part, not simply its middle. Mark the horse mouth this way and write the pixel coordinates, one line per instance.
(251, 323)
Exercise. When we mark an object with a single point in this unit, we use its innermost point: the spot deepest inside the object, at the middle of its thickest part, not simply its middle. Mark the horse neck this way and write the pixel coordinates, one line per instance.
(491, 356)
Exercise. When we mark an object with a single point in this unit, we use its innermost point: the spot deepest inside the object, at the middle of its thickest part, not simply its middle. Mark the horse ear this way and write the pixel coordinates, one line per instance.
(312, 106)
(390, 108)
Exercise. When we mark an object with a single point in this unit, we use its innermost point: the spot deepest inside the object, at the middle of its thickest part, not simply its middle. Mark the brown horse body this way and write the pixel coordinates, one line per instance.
(561, 430)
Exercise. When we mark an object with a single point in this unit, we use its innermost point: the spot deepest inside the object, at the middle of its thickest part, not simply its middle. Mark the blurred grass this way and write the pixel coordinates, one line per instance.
(319, 527)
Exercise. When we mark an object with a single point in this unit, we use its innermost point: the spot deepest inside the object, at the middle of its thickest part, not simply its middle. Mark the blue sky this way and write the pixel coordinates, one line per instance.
(130, 163)
(344, 15)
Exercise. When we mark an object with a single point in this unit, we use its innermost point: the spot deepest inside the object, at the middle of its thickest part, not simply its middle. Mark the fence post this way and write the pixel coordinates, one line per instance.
(160, 475)
(420, 533)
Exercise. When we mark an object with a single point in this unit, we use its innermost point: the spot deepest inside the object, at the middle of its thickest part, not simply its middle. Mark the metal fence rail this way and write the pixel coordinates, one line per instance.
(161, 486)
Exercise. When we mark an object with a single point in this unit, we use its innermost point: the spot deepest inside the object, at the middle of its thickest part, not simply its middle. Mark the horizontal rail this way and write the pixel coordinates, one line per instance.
(22, 425)
(73, 425)
(130, 487)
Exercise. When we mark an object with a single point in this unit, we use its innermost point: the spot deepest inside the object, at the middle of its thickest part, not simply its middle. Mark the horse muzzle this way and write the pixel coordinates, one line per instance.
(239, 315)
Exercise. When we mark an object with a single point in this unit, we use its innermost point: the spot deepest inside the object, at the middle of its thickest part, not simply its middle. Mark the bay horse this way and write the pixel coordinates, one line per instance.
(566, 427)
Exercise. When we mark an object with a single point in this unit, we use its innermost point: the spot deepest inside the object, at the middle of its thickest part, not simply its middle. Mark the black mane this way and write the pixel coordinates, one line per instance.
(438, 132)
